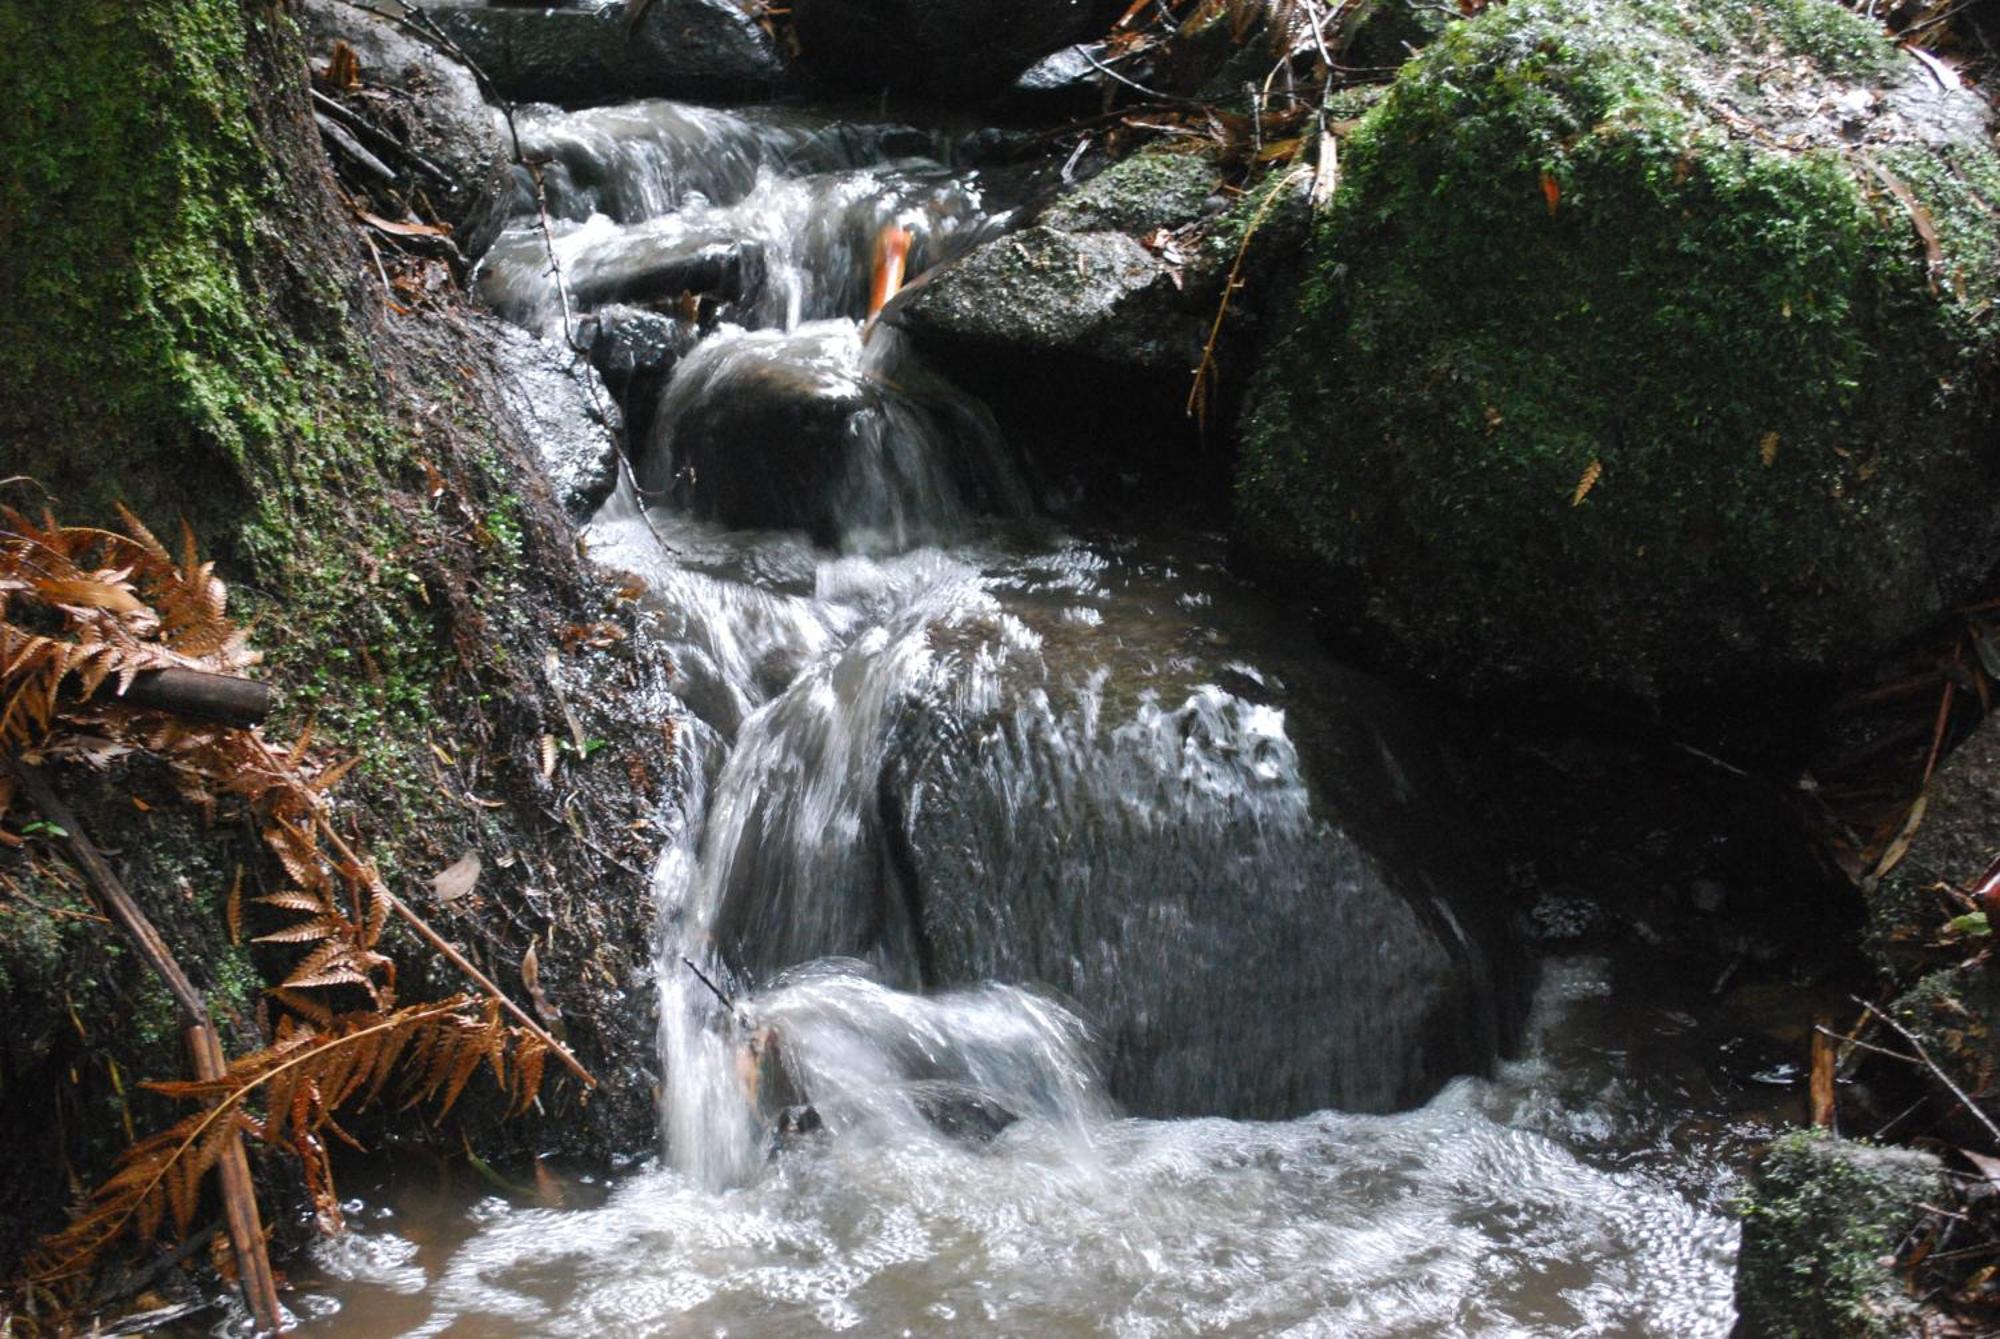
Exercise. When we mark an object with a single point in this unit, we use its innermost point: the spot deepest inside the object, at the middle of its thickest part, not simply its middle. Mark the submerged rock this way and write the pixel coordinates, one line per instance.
(952, 50)
(1821, 1225)
(591, 53)
(1645, 346)
(431, 104)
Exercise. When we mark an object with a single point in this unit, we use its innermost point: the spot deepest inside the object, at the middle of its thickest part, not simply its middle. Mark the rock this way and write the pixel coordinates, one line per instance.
(1052, 292)
(1620, 367)
(430, 103)
(560, 406)
(1821, 1223)
(1215, 923)
(709, 49)
(1152, 189)
(957, 51)
(635, 351)
(808, 430)
(1105, 305)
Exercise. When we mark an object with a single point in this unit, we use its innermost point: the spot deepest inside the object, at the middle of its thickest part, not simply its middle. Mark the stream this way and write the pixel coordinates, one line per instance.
(1057, 940)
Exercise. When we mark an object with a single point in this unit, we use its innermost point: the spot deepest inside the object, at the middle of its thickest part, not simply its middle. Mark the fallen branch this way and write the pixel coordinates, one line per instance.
(438, 941)
(1924, 1057)
(246, 1230)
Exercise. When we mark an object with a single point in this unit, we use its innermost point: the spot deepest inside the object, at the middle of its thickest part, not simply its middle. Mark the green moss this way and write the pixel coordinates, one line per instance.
(1821, 1226)
(1742, 337)
(1156, 188)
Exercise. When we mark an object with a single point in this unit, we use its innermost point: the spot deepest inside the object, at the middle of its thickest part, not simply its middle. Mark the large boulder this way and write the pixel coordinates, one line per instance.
(1646, 346)
(429, 103)
(951, 50)
(1822, 1223)
(590, 52)
(1257, 884)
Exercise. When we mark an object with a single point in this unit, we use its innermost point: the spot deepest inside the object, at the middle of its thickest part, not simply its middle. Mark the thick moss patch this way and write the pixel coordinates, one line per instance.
(1679, 251)
(1821, 1227)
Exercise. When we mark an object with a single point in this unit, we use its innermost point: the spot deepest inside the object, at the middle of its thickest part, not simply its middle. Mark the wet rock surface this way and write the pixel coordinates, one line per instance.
(561, 408)
(590, 52)
(431, 104)
(955, 51)
(1689, 383)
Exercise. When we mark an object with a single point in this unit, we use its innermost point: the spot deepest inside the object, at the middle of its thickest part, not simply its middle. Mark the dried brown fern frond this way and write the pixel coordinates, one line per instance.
(304, 1078)
(81, 606)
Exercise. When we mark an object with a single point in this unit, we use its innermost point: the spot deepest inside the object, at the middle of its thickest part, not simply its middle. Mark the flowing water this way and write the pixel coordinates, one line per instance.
(1056, 942)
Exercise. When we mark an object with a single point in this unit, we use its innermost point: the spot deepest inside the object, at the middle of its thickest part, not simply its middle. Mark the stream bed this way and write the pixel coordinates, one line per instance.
(1126, 965)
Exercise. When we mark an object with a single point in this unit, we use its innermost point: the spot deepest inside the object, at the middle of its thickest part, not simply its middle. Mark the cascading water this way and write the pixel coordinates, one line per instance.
(994, 834)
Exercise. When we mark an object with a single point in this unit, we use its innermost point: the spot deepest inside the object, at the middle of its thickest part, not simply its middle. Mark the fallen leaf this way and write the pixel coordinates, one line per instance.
(1767, 449)
(531, 977)
(395, 229)
(1591, 474)
(457, 880)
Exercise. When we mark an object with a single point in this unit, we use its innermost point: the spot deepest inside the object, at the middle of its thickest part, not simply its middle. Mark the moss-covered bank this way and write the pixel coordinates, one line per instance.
(1648, 344)
(194, 327)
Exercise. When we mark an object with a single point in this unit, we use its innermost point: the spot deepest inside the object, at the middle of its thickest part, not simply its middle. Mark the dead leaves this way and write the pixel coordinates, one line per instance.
(83, 608)
(1591, 474)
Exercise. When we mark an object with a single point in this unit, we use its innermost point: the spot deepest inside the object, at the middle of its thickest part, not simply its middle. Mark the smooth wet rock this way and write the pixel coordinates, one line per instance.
(1239, 948)
(956, 51)
(429, 102)
(808, 431)
(1621, 364)
(588, 53)
(564, 410)
(1822, 1222)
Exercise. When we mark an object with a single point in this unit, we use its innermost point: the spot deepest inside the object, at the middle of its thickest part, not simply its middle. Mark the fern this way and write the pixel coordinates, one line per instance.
(83, 608)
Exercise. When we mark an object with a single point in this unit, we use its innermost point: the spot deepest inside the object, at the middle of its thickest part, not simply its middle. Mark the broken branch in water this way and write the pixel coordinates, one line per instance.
(702, 977)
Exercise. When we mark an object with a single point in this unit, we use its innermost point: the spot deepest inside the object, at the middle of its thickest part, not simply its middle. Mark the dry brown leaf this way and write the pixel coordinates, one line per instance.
(1591, 474)
(457, 879)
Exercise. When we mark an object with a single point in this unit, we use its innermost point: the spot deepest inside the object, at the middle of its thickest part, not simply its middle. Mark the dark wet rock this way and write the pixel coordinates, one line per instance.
(635, 351)
(1105, 304)
(588, 54)
(1822, 1222)
(560, 406)
(1213, 937)
(807, 432)
(632, 266)
(1662, 395)
(430, 105)
(955, 51)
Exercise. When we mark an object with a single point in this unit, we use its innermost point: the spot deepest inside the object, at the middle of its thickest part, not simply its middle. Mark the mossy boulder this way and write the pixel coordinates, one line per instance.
(1647, 345)
(1821, 1225)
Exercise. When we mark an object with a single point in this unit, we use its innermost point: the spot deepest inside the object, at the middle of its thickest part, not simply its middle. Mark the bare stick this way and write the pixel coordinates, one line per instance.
(1932, 1065)
(246, 1230)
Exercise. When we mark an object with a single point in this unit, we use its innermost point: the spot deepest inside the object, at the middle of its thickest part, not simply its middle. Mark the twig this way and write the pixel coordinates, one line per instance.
(246, 1229)
(1930, 1064)
(702, 977)
(1205, 372)
(444, 948)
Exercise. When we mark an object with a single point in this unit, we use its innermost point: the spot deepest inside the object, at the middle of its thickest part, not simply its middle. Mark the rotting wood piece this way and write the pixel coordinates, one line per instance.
(245, 1223)
(225, 699)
